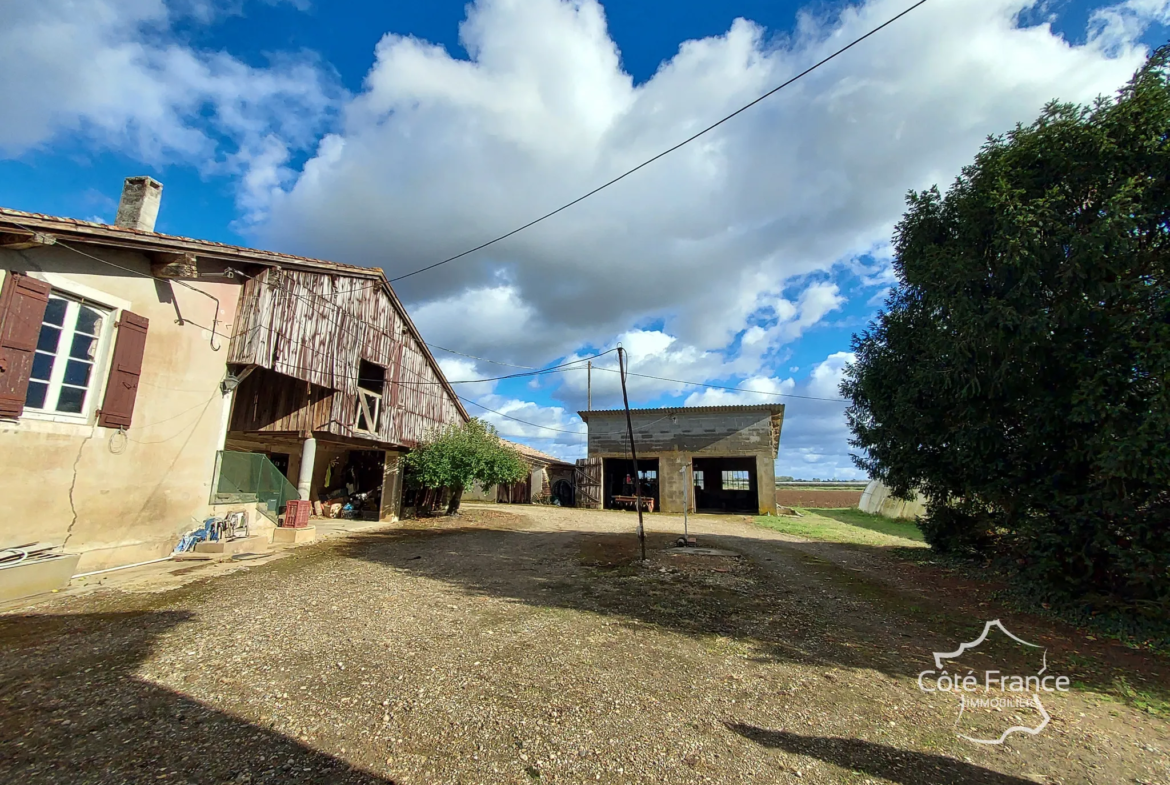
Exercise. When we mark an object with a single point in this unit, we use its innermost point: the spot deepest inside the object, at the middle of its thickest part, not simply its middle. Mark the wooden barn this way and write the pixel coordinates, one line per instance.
(334, 382)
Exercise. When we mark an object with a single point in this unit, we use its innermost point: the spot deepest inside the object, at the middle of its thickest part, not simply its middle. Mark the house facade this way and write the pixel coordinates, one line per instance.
(132, 363)
(705, 458)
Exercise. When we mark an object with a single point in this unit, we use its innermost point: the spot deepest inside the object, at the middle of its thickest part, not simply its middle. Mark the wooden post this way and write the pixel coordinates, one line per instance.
(633, 453)
(589, 386)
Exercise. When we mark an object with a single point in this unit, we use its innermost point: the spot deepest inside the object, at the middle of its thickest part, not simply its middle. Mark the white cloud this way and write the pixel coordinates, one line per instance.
(759, 384)
(1113, 27)
(814, 441)
(114, 73)
(438, 154)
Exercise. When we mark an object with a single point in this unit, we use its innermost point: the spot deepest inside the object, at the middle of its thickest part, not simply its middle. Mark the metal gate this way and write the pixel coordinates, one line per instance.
(587, 483)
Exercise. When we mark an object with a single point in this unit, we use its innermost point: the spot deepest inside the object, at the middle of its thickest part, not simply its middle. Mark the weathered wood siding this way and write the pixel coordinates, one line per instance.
(316, 328)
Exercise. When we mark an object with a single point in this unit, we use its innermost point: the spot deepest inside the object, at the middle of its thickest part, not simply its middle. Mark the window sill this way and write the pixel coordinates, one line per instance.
(41, 422)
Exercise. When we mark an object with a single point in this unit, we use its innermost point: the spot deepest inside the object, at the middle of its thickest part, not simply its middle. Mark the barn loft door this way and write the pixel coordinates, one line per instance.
(587, 481)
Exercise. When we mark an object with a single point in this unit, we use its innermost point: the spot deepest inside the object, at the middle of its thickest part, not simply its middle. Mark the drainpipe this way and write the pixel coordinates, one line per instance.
(305, 478)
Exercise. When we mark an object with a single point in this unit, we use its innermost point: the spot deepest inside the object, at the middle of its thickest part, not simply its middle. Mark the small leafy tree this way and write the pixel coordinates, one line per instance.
(1018, 374)
(460, 455)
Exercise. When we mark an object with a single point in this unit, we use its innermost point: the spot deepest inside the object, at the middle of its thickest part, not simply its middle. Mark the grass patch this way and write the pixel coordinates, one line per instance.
(907, 530)
(845, 526)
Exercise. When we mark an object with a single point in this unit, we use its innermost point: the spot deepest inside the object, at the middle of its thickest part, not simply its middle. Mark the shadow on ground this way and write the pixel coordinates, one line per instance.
(791, 612)
(878, 760)
(72, 710)
(791, 601)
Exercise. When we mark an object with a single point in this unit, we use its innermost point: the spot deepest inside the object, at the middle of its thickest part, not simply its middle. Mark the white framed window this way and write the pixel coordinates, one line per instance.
(736, 481)
(64, 380)
(698, 479)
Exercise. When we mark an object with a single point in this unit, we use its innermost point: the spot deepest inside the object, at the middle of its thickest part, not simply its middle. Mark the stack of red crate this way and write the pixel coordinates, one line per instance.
(296, 515)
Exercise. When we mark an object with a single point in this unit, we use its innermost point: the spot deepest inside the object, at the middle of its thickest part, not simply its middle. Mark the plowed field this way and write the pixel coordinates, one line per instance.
(801, 497)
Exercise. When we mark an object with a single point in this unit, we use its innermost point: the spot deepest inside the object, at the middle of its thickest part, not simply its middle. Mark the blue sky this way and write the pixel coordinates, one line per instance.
(395, 134)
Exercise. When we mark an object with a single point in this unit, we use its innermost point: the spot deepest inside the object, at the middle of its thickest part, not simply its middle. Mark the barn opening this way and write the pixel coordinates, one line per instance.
(619, 481)
(371, 386)
(725, 484)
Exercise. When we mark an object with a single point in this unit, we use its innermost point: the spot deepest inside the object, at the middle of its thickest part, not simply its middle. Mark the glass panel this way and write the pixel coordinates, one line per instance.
(77, 373)
(48, 339)
(35, 397)
(55, 311)
(42, 366)
(83, 347)
(89, 321)
(71, 400)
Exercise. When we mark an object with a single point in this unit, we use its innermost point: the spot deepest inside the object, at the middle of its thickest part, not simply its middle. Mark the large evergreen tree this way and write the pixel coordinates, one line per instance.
(1018, 374)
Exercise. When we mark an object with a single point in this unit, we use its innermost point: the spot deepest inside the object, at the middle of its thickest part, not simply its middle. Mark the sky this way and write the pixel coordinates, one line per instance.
(396, 134)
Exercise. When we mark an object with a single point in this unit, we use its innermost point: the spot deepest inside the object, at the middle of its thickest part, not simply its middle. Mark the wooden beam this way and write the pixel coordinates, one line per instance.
(19, 242)
(174, 265)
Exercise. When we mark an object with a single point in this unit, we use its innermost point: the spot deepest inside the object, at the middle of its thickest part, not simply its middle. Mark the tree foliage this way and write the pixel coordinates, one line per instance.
(1018, 373)
(460, 455)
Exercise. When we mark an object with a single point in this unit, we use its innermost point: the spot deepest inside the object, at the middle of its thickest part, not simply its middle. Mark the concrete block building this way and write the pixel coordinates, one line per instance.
(726, 455)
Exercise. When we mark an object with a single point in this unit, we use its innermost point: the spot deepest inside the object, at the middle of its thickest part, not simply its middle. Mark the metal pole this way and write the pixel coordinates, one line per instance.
(686, 503)
(589, 386)
(633, 453)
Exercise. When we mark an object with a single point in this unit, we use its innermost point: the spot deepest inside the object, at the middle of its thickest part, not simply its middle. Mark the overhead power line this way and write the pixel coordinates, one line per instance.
(723, 387)
(665, 152)
(517, 419)
(481, 359)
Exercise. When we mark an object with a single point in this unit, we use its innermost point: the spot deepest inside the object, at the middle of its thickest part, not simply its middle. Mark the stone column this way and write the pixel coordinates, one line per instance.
(391, 488)
(305, 476)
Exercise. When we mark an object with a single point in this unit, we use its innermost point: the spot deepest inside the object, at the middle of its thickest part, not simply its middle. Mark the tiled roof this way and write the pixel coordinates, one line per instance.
(91, 231)
(528, 452)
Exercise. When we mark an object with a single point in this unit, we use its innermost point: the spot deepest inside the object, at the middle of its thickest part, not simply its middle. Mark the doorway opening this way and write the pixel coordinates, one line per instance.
(619, 481)
(726, 485)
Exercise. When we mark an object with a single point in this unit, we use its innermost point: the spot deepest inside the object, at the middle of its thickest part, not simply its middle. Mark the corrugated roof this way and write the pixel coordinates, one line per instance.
(771, 408)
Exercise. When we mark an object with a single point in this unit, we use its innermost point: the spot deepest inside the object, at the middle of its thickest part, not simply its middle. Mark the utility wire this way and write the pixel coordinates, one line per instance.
(558, 430)
(481, 359)
(517, 419)
(666, 152)
(140, 274)
(723, 387)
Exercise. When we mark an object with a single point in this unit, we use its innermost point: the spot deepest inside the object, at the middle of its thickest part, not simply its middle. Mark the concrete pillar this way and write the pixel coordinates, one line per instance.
(305, 475)
(766, 482)
(225, 419)
(391, 487)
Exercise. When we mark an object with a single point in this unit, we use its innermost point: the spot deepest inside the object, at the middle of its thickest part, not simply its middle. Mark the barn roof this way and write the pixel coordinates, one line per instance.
(93, 233)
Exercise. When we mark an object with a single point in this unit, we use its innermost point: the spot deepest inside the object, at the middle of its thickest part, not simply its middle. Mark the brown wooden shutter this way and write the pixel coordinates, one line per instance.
(22, 308)
(126, 368)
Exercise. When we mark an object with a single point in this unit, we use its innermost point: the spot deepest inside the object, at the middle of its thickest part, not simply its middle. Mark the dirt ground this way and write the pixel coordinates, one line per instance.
(527, 644)
(813, 498)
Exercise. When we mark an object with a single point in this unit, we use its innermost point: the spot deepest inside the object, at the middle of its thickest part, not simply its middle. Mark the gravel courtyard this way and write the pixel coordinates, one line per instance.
(525, 644)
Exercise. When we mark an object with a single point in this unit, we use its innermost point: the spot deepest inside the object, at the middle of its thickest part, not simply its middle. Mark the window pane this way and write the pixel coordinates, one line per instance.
(77, 373)
(89, 321)
(48, 339)
(55, 311)
(42, 366)
(71, 400)
(35, 397)
(83, 346)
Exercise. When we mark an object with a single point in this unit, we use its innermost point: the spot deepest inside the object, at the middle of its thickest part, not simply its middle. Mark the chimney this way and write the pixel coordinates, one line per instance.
(139, 206)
